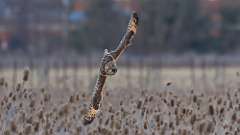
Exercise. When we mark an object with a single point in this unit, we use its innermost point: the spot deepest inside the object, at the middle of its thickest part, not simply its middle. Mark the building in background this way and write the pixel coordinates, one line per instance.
(78, 11)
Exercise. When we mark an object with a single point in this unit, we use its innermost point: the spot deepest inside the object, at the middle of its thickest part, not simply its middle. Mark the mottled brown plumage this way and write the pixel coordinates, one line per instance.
(126, 40)
(108, 67)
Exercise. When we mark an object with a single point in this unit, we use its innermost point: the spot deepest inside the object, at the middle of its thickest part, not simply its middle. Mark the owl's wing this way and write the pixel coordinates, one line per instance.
(127, 38)
(125, 42)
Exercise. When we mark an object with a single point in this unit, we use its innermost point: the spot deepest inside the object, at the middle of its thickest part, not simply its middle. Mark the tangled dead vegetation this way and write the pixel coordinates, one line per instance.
(26, 111)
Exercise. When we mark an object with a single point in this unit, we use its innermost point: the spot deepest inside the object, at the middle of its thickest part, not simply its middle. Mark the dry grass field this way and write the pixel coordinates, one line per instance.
(137, 101)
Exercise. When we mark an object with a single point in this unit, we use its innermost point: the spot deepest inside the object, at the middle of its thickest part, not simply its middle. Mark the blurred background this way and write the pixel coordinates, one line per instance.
(84, 26)
(55, 35)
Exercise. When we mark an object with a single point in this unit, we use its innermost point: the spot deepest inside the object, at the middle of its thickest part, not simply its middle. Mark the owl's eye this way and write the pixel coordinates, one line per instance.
(134, 20)
(114, 70)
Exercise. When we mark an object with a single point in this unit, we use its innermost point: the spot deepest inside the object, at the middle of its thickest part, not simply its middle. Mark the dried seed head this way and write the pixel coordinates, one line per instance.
(193, 119)
(210, 127)
(192, 91)
(145, 124)
(211, 110)
(219, 101)
(2, 81)
(13, 127)
(168, 83)
(139, 104)
(222, 110)
(47, 98)
(71, 100)
(18, 87)
(237, 74)
(42, 90)
(201, 128)
(126, 132)
(121, 103)
(27, 130)
(110, 109)
(26, 74)
(10, 94)
(106, 122)
(151, 98)
(234, 117)
(77, 97)
(172, 102)
(32, 104)
(194, 98)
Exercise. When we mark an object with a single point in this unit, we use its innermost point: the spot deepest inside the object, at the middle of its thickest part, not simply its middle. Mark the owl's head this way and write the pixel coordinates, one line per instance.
(109, 66)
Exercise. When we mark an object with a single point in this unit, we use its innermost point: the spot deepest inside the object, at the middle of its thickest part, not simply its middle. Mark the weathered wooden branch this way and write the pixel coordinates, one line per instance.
(108, 67)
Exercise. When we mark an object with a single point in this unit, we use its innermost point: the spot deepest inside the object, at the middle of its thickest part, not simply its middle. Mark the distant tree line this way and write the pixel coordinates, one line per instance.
(166, 26)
